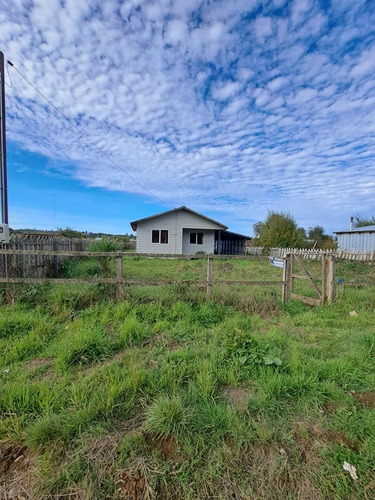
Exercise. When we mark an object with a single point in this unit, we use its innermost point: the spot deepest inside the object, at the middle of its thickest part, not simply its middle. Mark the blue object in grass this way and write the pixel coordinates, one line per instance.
(339, 280)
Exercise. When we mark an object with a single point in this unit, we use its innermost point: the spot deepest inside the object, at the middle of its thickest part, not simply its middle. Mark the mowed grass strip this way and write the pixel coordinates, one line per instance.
(166, 395)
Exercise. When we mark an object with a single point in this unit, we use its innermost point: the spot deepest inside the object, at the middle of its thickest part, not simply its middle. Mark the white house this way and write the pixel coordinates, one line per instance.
(185, 232)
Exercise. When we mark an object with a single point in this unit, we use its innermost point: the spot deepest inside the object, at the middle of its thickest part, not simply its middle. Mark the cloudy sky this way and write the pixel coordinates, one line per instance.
(232, 108)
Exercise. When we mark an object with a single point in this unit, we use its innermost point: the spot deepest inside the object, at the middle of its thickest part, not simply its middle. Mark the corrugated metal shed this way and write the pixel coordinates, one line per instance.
(360, 239)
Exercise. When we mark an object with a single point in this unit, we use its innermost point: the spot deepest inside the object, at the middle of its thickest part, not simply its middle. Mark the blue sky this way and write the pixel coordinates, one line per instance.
(232, 108)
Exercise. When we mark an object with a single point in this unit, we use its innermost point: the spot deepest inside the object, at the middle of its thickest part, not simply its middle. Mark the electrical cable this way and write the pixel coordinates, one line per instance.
(10, 78)
(84, 134)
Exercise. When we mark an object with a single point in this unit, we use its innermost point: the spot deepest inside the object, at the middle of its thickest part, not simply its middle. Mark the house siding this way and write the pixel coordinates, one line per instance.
(360, 241)
(208, 242)
(174, 223)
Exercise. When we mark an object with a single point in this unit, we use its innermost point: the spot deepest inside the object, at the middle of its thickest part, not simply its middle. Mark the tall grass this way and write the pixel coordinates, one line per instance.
(182, 391)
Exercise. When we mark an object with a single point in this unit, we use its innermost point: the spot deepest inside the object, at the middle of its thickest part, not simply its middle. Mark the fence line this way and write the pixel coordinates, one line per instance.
(47, 242)
(37, 262)
(326, 293)
(308, 253)
(119, 280)
(255, 251)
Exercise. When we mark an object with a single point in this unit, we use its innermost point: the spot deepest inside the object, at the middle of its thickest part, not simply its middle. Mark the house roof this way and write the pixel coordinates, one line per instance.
(238, 235)
(364, 229)
(135, 223)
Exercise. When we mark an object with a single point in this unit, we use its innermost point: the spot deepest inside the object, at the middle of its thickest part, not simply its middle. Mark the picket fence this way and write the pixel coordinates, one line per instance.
(255, 251)
(308, 253)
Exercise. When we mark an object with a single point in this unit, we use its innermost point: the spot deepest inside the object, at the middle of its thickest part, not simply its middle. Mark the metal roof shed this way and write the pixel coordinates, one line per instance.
(360, 239)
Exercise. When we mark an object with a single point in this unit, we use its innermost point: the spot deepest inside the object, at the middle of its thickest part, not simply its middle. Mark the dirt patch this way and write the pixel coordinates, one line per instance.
(39, 362)
(99, 366)
(275, 473)
(41, 368)
(365, 398)
(15, 473)
(180, 267)
(132, 483)
(167, 446)
(238, 396)
(339, 438)
(102, 450)
(330, 408)
(9, 456)
(309, 437)
(163, 340)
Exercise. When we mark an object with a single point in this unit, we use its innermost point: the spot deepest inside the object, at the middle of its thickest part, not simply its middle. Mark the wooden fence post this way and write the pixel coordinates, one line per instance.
(119, 261)
(331, 292)
(209, 278)
(323, 299)
(287, 278)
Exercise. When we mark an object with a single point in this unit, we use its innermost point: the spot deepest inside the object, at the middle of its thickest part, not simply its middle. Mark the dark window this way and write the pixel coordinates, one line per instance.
(155, 236)
(193, 238)
(200, 239)
(164, 236)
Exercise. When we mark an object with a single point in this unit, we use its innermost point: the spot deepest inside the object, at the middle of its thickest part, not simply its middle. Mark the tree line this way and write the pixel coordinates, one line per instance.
(280, 230)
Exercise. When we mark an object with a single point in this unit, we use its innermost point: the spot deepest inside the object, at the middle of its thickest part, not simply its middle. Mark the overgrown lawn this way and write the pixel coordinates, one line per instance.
(165, 395)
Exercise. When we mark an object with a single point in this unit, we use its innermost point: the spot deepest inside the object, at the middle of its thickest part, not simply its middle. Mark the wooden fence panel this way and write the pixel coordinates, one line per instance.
(36, 264)
(308, 253)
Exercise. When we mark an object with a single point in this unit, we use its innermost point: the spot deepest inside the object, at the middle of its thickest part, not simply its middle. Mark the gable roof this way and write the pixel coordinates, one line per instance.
(136, 222)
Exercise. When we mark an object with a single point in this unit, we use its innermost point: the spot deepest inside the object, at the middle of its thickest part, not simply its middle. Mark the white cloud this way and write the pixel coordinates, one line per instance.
(300, 8)
(226, 91)
(176, 31)
(262, 28)
(202, 100)
(277, 83)
(366, 63)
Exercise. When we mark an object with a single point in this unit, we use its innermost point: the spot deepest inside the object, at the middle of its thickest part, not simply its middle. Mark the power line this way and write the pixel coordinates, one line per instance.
(84, 134)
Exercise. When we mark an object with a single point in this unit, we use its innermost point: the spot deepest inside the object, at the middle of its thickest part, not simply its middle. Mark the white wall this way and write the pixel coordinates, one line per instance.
(144, 235)
(191, 249)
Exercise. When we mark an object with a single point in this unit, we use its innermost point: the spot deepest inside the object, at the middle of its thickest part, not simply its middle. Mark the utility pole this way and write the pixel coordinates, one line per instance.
(3, 147)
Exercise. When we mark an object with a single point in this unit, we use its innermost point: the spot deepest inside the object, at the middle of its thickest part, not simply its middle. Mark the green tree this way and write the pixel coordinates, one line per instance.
(316, 233)
(360, 221)
(68, 232)
(320, 239)
(279, 230)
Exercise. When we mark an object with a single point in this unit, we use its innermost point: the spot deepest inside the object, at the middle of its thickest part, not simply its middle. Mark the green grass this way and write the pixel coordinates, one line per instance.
(185, 393)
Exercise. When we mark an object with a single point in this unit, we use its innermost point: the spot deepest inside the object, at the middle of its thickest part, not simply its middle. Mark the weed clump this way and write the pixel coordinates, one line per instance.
(247, 350)
(85, 344)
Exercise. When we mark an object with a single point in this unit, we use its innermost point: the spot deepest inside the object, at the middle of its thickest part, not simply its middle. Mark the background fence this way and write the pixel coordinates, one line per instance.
(35, 263)
(39, 262)
(308, 253)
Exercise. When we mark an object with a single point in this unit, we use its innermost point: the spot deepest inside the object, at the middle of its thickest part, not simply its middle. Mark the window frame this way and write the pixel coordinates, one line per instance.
(159, 235)
(198, 238)
(155, 232)
(164, 233)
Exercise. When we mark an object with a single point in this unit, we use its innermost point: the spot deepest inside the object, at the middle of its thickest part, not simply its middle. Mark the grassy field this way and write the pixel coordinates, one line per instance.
(164, 395)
